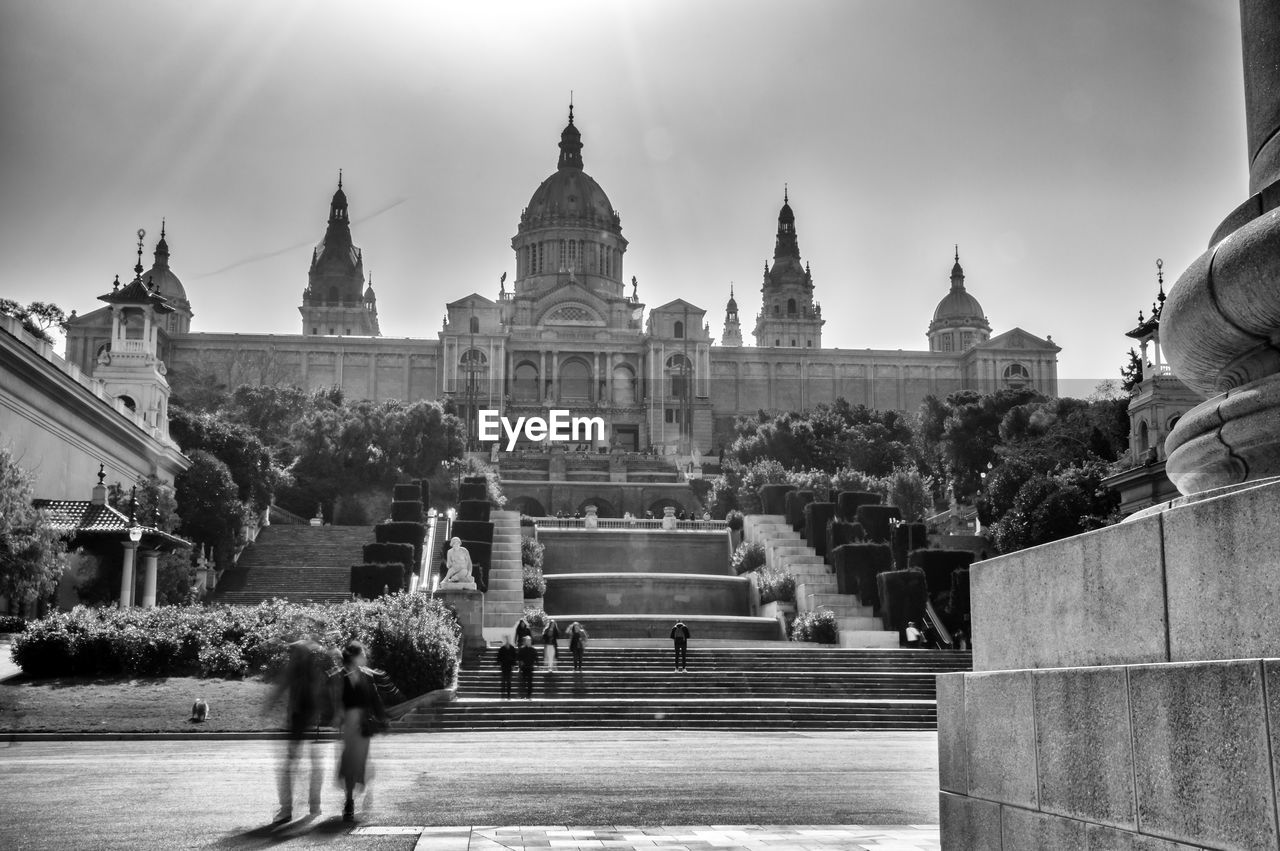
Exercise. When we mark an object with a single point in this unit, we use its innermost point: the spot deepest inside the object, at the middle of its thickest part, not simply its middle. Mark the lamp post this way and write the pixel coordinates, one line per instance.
(134, 533)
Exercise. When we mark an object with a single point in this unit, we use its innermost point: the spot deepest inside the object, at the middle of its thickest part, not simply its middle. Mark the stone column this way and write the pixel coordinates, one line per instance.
(126, 575)
(149, 559)
(1220, 324)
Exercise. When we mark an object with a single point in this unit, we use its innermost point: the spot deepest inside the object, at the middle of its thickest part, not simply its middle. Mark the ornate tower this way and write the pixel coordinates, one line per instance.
(732, 328)
(788, 315)
(162, 279)
(130, 368)
(336, 300)
(958, 322)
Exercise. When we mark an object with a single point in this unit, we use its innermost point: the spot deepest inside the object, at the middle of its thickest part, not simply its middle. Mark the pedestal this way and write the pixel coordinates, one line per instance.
(469, 605)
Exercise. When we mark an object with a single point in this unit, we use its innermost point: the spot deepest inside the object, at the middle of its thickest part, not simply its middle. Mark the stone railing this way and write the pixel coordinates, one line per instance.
(623, 524)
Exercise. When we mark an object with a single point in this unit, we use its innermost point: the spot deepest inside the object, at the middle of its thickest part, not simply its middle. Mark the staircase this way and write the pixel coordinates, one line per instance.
(730, 684)
(815, 583)
(296, 563)
(504, 601)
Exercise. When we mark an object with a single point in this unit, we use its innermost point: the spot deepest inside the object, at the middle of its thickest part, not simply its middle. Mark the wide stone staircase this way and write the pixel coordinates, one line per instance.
(504, 601)
(729, 684)
(816, 583)
(296, 563)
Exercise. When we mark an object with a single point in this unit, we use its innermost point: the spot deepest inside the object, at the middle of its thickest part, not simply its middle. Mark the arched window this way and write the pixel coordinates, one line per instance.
(1173, 421)
(129, 403)
(475, 325)
(1016, 375)
(525, 387)
(575, 380)
(776, 310)
(1144, 437)
(791, 307)
(679, 332)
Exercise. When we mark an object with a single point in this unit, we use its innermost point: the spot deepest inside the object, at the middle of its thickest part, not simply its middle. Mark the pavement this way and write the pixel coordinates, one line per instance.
(488, 791)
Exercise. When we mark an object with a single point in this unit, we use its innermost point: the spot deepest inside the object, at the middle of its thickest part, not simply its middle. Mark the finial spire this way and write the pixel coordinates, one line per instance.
(102, 473)
(137, 267)
(339, 178)
(570, 106)
(957, 252)
(162, 227)
(785, 197)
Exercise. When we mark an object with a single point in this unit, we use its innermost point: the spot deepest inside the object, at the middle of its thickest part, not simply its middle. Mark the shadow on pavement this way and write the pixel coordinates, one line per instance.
(324, 829)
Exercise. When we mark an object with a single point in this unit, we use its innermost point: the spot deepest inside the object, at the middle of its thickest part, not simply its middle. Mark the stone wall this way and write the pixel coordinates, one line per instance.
(606, 550)
(1125, 687)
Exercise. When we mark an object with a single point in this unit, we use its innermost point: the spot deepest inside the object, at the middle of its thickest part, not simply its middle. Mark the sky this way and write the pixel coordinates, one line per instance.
(1063, 146)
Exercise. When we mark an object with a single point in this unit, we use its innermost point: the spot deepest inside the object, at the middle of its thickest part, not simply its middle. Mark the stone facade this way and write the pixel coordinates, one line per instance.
(572, 332)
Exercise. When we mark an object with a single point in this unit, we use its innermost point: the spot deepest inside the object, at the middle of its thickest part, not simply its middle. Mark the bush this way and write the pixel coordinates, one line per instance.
(818, 626)
(535, 584)
(527, 522)
(776, 585)
(411, 492)
(410, 636)
(532, 552)
(388, 553)
(537, 620)
(371, 581)
(747, 557)
(407, 511)
(12, 623)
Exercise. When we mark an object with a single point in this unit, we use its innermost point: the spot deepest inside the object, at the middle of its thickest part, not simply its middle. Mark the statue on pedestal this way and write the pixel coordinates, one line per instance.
(457, 564)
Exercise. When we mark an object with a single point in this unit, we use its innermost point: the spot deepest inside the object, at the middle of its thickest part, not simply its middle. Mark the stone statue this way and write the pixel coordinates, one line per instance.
(457, 564)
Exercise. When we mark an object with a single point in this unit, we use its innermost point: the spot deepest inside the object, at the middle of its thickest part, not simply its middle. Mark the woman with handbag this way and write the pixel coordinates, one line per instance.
(362, 716)
(577, 643)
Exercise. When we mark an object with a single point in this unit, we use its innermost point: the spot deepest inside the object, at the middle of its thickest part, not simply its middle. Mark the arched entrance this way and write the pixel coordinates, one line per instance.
(604, 508)
(527, 505)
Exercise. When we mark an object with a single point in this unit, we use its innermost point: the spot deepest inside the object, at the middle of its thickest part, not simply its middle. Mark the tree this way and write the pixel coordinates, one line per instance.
(37, 317)
(911, 492)
(209, 500)
(971, 432)
(32, 555)
(251, 465)
(1049, 507)
(826, 437)
(1131, 372)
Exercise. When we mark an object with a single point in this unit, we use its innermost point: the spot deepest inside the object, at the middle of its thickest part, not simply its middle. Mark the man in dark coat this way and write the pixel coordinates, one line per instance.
(680, 635)
(528, 658)
(507, 657)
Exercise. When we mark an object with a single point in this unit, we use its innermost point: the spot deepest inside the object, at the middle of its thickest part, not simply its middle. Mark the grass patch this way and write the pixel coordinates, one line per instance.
(135, 705)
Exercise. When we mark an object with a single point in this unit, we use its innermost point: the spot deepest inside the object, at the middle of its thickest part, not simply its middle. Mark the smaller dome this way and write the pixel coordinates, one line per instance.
(732, 306)
(368, 293)
(785, 214)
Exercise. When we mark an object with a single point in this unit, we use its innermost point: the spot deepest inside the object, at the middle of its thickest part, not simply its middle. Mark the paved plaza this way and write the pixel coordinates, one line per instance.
(445, 791)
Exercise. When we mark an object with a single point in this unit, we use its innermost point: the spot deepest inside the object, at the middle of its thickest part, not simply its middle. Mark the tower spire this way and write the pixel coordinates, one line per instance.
(570, 143)
(137, 267)
(339, 178)
(957, 273)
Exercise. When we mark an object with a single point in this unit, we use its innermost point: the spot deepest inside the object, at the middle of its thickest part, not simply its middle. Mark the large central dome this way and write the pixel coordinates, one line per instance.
(570, 196)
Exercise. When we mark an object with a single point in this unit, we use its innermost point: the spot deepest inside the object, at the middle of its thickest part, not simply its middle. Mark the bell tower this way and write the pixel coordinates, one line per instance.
(788, 318)
(130, 366)
(337, 300)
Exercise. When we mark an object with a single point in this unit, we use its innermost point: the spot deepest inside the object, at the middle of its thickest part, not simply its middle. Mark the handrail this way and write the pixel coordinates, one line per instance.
(428, 547)
(934, 623)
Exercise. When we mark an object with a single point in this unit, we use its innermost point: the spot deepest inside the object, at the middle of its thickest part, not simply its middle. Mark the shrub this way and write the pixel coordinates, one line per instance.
(388, 553)
(818, 626)
(12, 623)
(412, 637)
(535, 584)
(371, 581)
(537, 619)
(776, 585)
(527, 521)
(747, 557)
(407, 511)
(532, 552)
(411, 492)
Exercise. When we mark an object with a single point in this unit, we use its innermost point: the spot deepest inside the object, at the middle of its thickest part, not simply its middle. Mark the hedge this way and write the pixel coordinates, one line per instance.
(404, 510)
(856, 567)
(474, 509)
(875, 519)
(902, 599)
(840, 533)
(734, 520)
(938, 565)
(369, 580)
(848, 503)
(401, 532)
(410, 636)
(907, 538)
(12, 623)
(424, 491)
(388, 553)
(472, 530)
(816, 517)
(475, 480)
(407, 493)
(771, 498)
(473, 490)
(794, 503)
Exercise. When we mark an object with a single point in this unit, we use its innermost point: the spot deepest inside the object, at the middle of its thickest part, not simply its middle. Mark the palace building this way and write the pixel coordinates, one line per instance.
(571, 332)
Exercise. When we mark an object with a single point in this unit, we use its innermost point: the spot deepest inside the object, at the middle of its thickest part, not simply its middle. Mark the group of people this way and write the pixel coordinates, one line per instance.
(320, 685)
(522, 654)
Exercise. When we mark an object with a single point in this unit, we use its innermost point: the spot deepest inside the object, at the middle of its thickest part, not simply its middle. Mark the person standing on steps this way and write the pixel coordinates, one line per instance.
(577, 644)
(551, 643)
(528, 658)
(915, 638)
(507, 657)
(523, 630)
(680, 635)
